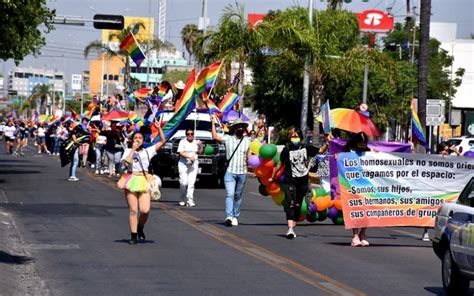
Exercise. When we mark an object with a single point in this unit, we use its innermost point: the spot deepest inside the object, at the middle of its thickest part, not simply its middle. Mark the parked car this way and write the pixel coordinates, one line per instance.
(463, 144)
(211, 167)
(453, 241)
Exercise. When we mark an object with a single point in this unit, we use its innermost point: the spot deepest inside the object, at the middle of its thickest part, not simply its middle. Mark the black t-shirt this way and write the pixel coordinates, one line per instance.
(113, 141)
(296, 161)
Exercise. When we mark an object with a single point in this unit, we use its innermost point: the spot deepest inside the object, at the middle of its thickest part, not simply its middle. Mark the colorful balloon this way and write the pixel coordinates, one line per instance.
(273, 188)
(322, 215)
(262, 190)
(278, 198)
(255, 147)
(254, 161)
(276, 159)
(339, 220)
(304, 208)
(268, 163)
(208, 150)
(338, 204)
(268, 151)
(333, 213)
(312, 217)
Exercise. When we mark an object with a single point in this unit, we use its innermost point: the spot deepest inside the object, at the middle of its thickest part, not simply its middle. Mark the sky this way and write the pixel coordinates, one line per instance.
(64, 45)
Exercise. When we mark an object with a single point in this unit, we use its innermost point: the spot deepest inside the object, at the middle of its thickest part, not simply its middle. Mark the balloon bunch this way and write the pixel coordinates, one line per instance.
(322, 207)
(316, 207)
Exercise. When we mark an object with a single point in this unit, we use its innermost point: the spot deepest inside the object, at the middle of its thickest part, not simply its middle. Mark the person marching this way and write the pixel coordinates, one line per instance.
(295, 157)
(237, 153)
(188, 150)
(135, 183)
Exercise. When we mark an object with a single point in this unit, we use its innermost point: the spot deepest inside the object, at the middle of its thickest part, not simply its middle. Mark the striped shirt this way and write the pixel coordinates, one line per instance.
(238, 163)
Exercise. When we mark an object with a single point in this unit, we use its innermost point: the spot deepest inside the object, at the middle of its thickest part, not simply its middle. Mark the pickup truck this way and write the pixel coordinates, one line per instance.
(211, 166)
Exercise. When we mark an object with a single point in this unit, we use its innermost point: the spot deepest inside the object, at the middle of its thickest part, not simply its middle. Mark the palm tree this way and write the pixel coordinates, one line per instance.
(189, 37)
(39, 95)
(423, 60)
(233, 41)
(147, 45)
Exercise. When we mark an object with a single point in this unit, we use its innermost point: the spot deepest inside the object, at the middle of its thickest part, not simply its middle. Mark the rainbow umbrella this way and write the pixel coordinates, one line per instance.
(353, 121)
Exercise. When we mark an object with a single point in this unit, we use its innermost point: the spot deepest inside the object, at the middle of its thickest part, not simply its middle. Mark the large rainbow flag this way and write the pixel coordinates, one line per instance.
(206, 80)
(416, 129)
(131, 45)
(228, 101)
(183, 107)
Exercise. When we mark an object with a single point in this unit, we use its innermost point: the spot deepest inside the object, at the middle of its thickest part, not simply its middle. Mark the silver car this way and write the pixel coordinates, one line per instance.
(453, 241)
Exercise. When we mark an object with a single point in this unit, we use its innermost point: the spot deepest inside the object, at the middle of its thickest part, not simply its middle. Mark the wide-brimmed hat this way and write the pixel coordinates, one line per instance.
(179, 85)
(238, 122)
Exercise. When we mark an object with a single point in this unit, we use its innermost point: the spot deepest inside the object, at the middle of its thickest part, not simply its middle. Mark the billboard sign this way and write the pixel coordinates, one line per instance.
(76, 82)
(375, 21)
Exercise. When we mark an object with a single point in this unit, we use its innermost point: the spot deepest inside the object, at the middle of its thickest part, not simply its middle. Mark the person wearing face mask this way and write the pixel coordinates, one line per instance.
(237, 153)
(295, 158)
(135, 183)
(188, 150)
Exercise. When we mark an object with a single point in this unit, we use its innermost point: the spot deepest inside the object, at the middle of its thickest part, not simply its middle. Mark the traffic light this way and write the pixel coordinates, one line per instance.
(108, 22)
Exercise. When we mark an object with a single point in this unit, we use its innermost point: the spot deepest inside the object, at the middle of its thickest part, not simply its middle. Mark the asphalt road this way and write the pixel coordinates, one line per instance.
(70, 238)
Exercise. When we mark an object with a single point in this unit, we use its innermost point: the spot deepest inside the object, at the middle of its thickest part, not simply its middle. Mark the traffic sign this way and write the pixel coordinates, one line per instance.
(375, 21)
(435, 110)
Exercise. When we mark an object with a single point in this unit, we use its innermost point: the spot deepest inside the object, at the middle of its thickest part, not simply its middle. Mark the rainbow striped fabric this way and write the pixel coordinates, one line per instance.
(212, 107)
(416, 129)
(228, 101)
(188, 92)
(206, 80)
(131, 45)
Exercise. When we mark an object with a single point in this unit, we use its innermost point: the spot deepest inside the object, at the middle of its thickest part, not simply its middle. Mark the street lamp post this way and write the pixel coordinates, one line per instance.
(304, 103)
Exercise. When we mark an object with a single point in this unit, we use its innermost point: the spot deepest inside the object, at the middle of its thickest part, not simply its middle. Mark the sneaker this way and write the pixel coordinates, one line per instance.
(425, 237)
(101, 172)
(190, 204)
(73, 179)
(96, 172)
(228, 221)
(290, 234)
(356, 242)
(92, 166)
(182, 203)
(235, 222)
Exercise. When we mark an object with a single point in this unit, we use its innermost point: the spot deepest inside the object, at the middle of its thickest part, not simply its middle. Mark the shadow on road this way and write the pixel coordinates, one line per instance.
(125, 241)
(22, 172)
(70, 210)
(13, 259)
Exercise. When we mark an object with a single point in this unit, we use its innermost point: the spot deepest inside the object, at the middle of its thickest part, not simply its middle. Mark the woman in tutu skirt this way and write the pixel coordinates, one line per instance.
(135, 182)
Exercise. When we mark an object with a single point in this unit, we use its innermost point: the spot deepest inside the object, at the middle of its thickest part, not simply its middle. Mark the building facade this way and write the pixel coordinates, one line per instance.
(22, 81)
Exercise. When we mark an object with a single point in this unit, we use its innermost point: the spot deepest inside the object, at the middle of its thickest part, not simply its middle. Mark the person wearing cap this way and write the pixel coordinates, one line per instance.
(237, 153)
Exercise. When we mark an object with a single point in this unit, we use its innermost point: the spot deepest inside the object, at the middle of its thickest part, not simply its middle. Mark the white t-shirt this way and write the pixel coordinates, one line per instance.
(102, 140)
(190, 147)
(41, 132)
(10, 131)
(145, 156)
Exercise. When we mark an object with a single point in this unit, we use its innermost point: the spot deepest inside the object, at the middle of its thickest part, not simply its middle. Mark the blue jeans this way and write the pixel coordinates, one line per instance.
(74, 163)
(234, 186)
(99, 152)
(57, 144)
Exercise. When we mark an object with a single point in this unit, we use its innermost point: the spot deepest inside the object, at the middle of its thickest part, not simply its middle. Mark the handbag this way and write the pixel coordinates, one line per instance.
(227, 162)
(154, 181)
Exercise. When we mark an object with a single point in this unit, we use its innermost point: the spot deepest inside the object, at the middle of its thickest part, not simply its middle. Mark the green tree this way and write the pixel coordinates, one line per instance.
(19, 21)
(189, 37)
(39, 97)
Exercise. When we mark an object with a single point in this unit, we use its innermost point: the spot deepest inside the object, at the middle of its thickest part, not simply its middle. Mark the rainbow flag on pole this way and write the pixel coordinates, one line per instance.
(417, 133)
(228, 101)
(206, 80)
(131, 45)
(188, 92)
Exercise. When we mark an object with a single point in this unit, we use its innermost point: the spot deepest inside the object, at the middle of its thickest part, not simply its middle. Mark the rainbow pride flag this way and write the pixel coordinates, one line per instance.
(188, 92)
(212, 107)
(416, 129)
(206, 80)
(130, 45)
(228, 101)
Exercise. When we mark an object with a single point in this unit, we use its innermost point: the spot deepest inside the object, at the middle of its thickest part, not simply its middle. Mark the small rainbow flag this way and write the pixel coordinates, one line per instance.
(188, 92)
(416, 129)
(228, 101)
(212, 107)
(206, 80)
(131, 45)
(162, 92)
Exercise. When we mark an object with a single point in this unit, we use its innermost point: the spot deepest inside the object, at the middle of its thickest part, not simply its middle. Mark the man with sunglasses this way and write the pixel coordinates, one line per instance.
(188, 150)
(237, 153)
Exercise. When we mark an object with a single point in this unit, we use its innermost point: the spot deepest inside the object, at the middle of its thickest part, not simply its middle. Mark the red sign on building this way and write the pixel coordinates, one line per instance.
(376, 21)
(255, 19)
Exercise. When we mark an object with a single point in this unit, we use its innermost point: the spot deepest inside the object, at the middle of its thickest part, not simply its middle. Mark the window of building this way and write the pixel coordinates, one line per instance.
(19, 74)
(58, 77)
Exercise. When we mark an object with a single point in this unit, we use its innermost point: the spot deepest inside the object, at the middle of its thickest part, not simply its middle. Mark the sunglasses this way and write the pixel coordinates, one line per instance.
(189, 134)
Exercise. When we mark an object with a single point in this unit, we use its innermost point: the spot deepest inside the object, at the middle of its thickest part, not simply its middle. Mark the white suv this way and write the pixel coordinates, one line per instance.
(453, 241)
(463, 144)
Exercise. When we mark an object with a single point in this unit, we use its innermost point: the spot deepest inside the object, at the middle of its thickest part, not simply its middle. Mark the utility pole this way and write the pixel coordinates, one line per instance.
(304, 102)
(423, 60)
(204, 17)
(149, 46)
